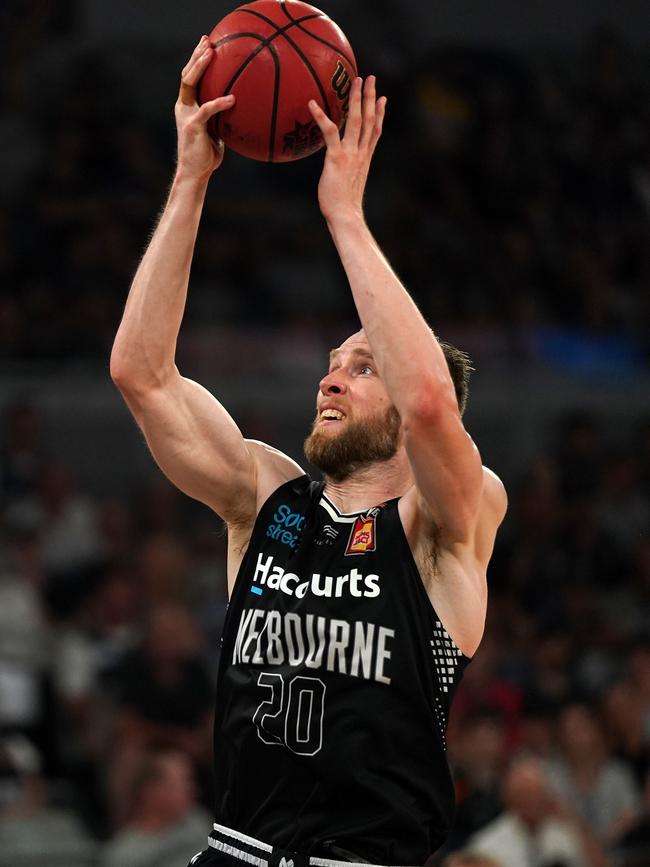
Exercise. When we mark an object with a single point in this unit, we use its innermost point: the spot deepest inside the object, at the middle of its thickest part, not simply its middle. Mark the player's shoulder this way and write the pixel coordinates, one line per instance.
(273, 468)
(495, 497)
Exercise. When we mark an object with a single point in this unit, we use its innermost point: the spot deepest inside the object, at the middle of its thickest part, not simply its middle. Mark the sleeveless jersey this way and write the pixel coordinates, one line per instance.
(334, 686)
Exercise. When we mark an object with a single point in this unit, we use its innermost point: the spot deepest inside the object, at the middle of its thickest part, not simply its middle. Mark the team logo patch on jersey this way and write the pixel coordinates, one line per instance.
(363, 535)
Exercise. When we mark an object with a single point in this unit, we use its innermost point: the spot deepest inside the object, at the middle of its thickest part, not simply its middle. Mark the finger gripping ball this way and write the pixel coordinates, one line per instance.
(276, 55)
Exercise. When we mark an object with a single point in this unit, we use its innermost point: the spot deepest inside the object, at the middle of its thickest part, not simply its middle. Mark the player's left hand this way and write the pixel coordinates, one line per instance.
(348, 157)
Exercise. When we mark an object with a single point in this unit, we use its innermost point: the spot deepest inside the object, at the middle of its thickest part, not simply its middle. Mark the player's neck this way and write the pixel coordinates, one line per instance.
(368, 486)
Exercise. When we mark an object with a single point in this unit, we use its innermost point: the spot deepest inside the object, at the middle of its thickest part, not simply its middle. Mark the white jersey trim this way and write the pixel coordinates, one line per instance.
(335, 515)
(327, 862)
(262, 862)
(237, 853)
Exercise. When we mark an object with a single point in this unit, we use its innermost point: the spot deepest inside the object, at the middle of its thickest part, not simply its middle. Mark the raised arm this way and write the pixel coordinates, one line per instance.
(191, 436)
(445, 462)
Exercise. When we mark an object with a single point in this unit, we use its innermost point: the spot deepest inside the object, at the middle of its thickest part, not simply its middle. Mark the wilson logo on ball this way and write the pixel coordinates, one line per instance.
(341, 85)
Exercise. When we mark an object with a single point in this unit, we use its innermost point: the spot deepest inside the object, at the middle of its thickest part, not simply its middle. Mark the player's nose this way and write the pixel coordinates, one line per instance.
(332, 384)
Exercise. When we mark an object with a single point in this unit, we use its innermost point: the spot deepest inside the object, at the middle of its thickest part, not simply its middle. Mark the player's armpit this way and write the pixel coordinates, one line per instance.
(198, 446)
(453, 575)
(460, 595)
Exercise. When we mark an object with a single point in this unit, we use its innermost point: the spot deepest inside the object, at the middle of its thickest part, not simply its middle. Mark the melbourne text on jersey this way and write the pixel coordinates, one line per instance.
(275, 577)
(356, 649)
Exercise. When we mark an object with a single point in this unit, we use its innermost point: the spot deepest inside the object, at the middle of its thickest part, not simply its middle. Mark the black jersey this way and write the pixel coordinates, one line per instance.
(334, 687)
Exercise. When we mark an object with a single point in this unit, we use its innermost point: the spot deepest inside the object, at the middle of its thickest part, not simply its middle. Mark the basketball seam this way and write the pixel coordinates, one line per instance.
(298, 23)
(276, 96)
(230, 38)
(276, 85)
(265, 40)
(282, 32)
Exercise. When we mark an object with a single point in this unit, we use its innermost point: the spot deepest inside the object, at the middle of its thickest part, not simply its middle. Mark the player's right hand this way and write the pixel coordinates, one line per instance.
(198, 153)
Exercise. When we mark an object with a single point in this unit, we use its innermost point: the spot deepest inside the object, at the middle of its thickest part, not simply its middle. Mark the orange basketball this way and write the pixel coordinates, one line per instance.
(276, 55)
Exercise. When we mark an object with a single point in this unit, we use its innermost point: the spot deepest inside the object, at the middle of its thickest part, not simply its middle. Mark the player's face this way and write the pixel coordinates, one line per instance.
(356, 424)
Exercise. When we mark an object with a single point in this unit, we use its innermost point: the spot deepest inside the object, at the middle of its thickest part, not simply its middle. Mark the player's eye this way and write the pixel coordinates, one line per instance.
(366, 369)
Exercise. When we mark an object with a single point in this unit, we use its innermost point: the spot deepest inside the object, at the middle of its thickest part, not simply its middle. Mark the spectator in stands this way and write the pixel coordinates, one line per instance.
(165, 698)
(32, 830)
(623, 510)
(478, 758)
(24, 636)
(165, 828)
(639, 667)
(551, 677)
(600, 789)
(102, 630)
(164, 568)
(54, 538)
(623, 718)
(535, 830)
(484, 687)
(526, 554)
(537, 729)
(22, 452)
(633, 847)
(116, 528)
(69, 532)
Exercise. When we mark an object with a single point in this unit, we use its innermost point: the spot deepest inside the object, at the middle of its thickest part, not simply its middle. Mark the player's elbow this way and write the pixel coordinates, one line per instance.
(118, 370)
(123, 374)
(133, 377)
(121, 364)
(430, 404)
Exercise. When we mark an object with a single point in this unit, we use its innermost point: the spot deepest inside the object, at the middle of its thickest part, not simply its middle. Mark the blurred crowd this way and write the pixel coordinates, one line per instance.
(552, 724)
(110, 616)
(512, 193)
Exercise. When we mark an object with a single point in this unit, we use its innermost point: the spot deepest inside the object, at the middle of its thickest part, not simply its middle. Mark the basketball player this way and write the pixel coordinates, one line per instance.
(355, 603)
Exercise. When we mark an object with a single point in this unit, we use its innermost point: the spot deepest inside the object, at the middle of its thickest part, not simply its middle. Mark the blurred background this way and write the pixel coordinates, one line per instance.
(511, 191)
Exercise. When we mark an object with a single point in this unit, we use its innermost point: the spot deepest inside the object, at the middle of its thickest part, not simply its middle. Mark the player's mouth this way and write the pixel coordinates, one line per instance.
(331, 416)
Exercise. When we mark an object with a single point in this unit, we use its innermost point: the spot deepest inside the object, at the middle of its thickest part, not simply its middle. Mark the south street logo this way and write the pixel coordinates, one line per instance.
(274, 577)
(287, 526)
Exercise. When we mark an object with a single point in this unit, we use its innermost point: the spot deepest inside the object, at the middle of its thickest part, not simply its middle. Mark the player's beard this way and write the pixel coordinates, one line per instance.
(360, 442)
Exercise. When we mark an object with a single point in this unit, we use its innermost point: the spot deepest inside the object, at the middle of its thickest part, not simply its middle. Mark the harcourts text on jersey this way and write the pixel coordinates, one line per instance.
(274, 577)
